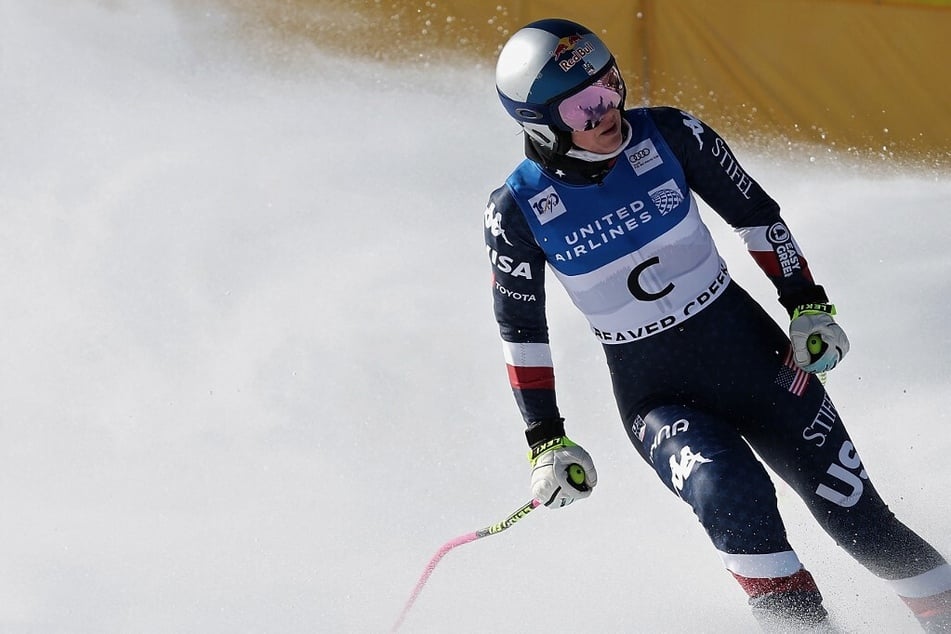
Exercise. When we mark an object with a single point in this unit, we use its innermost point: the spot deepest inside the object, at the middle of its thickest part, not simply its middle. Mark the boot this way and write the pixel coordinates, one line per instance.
(933, 613)
(787, 603)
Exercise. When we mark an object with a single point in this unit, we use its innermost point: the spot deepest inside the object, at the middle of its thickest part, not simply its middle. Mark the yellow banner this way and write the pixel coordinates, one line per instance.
(863, 77)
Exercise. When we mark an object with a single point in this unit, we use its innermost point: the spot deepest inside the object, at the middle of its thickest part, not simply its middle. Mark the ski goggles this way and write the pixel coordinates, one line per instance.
(584, 110)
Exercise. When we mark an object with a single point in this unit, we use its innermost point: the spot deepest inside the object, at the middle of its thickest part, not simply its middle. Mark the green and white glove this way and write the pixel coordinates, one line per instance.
(562, 472)
(818, 343)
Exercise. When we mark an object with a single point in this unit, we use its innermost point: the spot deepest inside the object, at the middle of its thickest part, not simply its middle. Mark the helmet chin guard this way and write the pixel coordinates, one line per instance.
(540, 65)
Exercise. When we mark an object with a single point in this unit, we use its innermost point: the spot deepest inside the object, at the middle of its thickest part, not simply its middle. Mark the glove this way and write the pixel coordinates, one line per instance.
(562, 472)
(818, 343)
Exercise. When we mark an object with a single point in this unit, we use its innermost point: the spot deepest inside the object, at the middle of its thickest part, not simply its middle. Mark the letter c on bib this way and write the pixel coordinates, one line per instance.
(634, 282)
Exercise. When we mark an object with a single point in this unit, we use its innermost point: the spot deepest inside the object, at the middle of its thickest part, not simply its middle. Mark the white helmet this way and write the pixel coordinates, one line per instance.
(544, 63)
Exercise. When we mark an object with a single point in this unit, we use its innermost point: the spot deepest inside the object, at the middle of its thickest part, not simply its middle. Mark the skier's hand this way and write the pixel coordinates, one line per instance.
(562, 472)
(818, 343)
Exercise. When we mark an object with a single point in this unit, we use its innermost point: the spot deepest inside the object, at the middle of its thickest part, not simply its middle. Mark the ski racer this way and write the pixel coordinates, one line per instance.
(606, 198)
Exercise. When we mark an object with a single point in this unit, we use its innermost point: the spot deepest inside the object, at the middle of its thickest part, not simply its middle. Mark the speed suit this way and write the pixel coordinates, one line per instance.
(701, 373)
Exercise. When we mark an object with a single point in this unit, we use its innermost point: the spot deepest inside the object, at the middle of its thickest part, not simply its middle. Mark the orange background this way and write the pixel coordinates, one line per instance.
(862, 77)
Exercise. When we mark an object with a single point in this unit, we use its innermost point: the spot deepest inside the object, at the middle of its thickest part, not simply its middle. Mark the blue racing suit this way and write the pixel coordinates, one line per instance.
(700, 372)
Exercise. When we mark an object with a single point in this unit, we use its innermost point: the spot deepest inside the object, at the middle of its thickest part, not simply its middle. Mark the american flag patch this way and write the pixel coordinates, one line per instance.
(790, 377)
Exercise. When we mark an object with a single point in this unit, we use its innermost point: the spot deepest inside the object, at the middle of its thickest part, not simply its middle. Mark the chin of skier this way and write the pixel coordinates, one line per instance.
(606, 200)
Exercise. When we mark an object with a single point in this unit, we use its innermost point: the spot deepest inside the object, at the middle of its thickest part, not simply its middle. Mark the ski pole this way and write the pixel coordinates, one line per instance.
(459, 541)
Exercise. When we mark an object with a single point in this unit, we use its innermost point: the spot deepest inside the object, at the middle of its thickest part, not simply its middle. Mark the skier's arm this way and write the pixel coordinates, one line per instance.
(715, 174)
(518, 291)
(562, 472)
(712, 170)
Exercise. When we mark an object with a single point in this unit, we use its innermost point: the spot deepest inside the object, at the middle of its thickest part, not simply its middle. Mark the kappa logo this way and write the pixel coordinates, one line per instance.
(666, 197)
(695, 126)
(680, 471)
(493, 222)
(643, 157)
(547, 205)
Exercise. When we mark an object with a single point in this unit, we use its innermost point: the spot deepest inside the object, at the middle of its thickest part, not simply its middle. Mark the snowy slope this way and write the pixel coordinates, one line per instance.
(251, 380)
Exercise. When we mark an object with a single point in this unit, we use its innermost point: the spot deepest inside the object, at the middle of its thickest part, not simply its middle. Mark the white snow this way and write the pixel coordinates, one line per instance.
(251, 379)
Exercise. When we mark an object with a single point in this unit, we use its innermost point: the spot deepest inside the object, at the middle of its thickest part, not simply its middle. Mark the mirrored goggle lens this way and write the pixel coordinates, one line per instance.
(584, 110)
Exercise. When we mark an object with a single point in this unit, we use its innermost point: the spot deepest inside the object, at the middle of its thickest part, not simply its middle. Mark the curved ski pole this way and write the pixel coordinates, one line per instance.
(459, 541)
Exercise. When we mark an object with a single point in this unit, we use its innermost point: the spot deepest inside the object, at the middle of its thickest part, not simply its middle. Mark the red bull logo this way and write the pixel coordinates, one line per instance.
(565, 44)
(576, 46)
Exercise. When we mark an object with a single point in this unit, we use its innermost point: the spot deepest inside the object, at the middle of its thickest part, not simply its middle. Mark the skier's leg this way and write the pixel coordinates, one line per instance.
(812, 451)
(731, 362)
(705, 462)
(792, 424)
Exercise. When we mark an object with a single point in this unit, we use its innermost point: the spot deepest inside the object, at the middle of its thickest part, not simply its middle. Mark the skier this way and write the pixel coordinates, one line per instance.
(700, 372)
